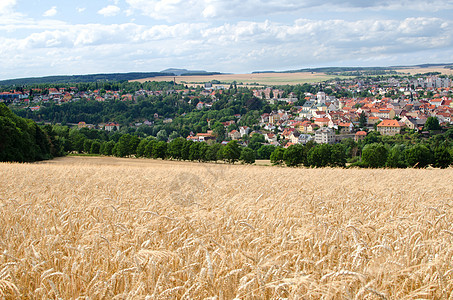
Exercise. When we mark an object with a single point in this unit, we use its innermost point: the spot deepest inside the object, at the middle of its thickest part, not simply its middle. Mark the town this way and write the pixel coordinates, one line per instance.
(388, 105)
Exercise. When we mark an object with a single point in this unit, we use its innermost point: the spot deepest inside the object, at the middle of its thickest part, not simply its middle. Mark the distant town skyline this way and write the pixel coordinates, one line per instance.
(48, 37)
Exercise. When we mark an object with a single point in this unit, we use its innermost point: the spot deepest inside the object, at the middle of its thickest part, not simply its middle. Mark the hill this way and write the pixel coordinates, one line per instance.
(83, 78)
(21, 140)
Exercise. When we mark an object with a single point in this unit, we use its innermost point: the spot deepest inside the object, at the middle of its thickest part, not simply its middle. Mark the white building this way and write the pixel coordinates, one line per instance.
(324, 135)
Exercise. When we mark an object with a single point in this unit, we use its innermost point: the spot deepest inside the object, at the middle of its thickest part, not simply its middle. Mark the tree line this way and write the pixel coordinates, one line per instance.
(22, 140)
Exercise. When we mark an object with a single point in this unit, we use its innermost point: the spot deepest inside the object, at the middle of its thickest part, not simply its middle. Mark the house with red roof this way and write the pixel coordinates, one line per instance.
(389, 127)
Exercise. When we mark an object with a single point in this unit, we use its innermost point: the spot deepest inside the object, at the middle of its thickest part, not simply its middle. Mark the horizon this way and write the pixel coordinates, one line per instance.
(123, 36)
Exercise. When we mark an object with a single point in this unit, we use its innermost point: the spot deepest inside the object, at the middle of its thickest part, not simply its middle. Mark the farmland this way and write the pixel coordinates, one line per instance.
(150, 229)
(249, 79)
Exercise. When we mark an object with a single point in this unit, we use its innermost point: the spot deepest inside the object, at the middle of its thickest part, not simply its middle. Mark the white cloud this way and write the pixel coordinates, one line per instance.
(81, 9)
(109, 11)
(179, 10)
(209, 43)
(6, 6)
(51, 12)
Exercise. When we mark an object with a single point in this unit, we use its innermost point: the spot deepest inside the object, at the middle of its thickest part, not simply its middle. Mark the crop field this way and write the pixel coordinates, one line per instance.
(107, 228)
(250, 79)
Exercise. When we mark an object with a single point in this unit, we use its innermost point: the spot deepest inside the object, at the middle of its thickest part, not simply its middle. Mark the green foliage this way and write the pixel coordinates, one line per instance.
(374, 155)
(160, 150)
(396, 157)
(247, 156)
(127, 145)
(21, 140)
(174, 149)
(107, 148)
(277, 156)
(418, 156)
(432, 123)
(265, 151)
(442, 157)
(95, 147)
(338, 156)
(231, 152)
(294, 155)
(320, 156)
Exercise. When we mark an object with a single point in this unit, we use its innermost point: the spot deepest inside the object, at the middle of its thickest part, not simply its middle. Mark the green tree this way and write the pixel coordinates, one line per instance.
(231, 152)
(362, 120)
(141, 148)
(127, 145)
(212, 153)
(162, 135)
(374, 155)
(320, 156)
(95, 147)
(87, 146)
(247, 156)
(107, 148)
(432, 123)
(293, 155)
(265, 151)
(175, 148)
(160, 150)
(418, 156)
(396, 157)
(338, 156)
(442, 158)
(277, 156)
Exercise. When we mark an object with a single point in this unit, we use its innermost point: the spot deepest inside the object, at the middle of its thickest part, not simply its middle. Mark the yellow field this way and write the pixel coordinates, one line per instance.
(249, 79)
(92, 228)
(413, 71)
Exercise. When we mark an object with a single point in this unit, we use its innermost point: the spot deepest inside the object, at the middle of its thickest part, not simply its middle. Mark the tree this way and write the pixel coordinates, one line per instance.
(87, 146)
(418, 156)
(432, 123)
(338, 156)
(107, 148)
(277, 156)
(127, 145)
(174, 148)
(141, 148)
(362, 120)
(212, 152)
(265, 151)
(442, 158)
(194, 152)
(160, 150)
(396, 158)
(173, 135)
(162, 135)
(95, 147)
(247, 156)
(320, 156)
(374, 155)
(293, 155)
(231, 152)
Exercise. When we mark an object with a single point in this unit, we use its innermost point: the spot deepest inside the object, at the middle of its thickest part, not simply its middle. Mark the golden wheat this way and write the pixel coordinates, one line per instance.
(104, 228)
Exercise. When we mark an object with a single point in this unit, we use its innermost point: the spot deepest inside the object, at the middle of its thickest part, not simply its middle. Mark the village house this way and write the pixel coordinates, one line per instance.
(111, 126)
(325, 136)
(389, 127)
(234, 134)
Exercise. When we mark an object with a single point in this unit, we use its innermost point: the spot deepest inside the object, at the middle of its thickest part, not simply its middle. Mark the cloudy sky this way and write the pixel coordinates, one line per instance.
(50, 37)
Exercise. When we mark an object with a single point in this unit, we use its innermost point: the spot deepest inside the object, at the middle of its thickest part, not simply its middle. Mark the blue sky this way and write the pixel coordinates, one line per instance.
(48, 37)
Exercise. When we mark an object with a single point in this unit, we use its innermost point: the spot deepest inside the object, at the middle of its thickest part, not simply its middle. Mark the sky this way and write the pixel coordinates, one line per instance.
(49, 37)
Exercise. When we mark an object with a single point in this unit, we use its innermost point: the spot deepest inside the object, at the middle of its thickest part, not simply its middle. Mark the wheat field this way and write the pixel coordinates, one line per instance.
(105, 228)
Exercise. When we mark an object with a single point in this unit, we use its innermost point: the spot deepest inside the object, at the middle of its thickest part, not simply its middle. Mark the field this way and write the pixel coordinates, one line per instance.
(413, 71)
(106, 228)
(250, 79)
(266, 79)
